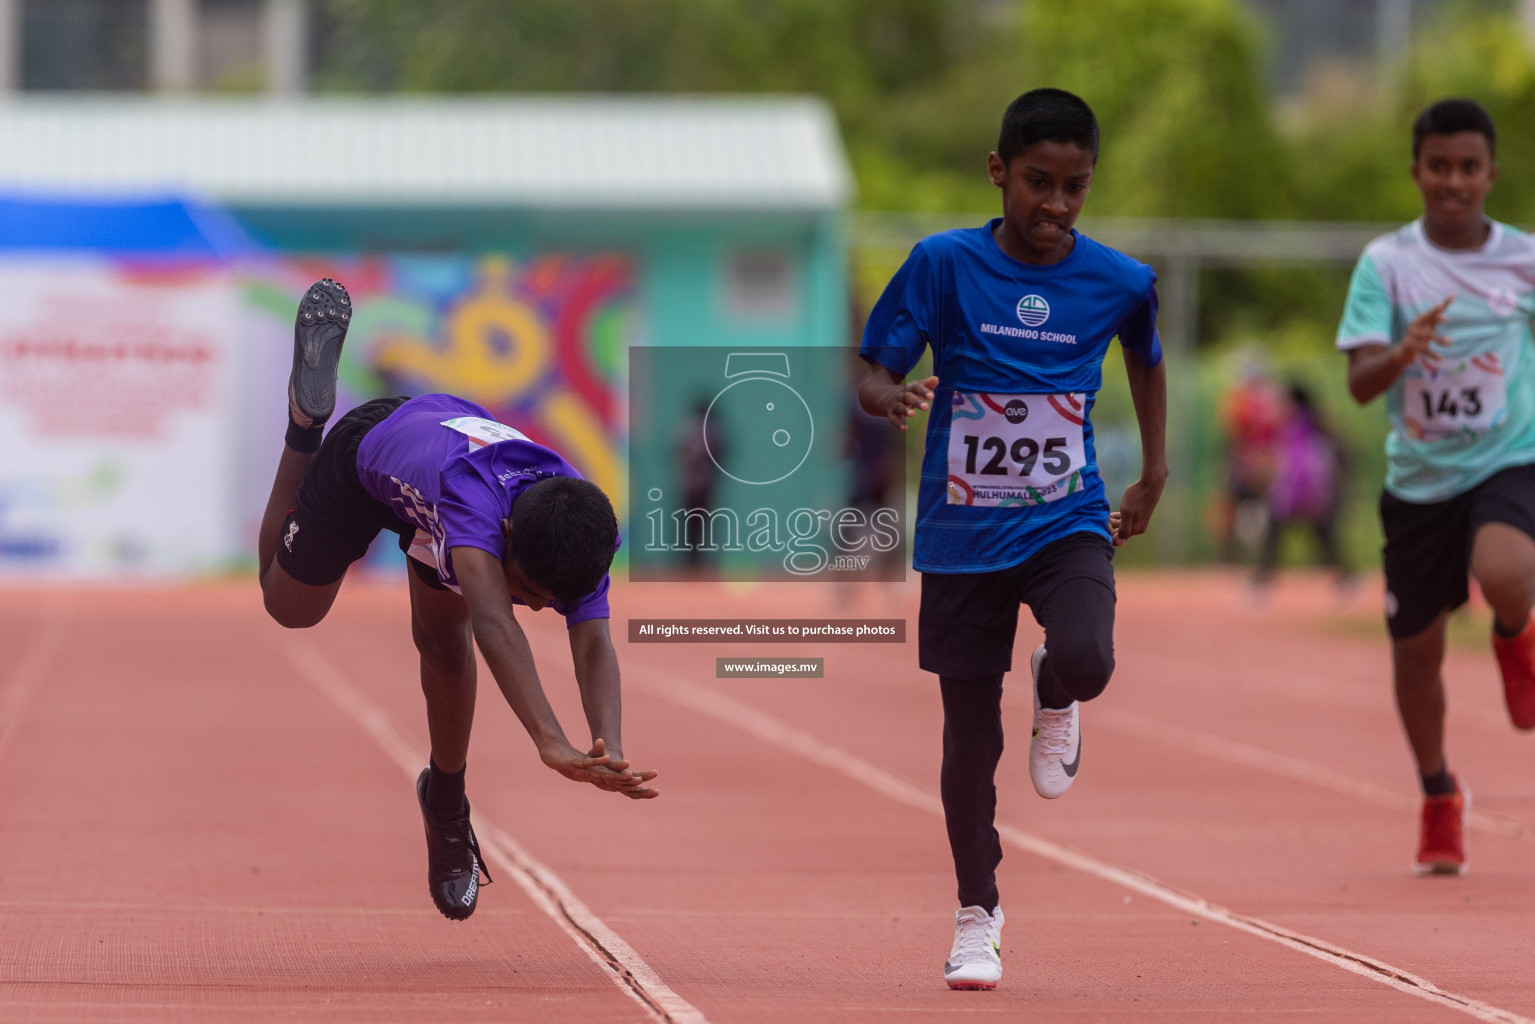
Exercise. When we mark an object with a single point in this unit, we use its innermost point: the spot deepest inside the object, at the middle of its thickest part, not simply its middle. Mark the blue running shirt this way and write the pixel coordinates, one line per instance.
(1018, 351)
(445, 466)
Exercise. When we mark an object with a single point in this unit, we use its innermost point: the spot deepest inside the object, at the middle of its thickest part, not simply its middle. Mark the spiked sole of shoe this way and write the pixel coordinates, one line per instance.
(972, 986)
(324, 315)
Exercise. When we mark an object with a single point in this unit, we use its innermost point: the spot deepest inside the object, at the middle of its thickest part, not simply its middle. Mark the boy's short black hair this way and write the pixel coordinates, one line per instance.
(1047, 115)
(564, 532)
(1451, 116)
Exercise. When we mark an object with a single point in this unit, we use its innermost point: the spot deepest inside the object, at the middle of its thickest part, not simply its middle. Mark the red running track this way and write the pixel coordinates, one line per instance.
(207, 818)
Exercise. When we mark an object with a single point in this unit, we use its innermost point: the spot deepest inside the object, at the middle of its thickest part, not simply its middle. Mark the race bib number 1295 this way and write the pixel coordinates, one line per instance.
(1015, 449)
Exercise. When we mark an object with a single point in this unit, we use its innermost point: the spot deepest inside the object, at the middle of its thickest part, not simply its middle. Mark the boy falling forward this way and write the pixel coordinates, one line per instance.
(1438, 319)
(1011, 508)
(489, 521)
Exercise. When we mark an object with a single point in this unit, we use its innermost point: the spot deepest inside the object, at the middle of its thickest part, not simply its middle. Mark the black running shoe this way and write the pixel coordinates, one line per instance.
(453, 861)
(323, 317)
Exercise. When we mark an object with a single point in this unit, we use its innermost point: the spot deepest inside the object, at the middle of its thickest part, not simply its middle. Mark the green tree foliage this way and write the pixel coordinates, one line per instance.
(853, 52)
(1351, 138)
(877, 62)
(919, 87)
(1177, 88)
(1488, 59)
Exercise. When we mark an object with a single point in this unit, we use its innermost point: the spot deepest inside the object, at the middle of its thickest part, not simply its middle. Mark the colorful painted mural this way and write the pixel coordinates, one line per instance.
(540, 342)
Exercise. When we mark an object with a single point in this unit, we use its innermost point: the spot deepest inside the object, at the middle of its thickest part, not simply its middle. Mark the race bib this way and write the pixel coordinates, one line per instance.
(1454, 398)
(1015, 449)
(482, 432)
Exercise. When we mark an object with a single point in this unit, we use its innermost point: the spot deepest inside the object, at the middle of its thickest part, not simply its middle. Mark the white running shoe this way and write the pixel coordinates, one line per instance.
(975, 962)
(1055, 751)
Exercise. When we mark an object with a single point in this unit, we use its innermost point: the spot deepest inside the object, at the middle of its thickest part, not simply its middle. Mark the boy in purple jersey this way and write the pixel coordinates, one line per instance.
(1011, 508)
(489, 520)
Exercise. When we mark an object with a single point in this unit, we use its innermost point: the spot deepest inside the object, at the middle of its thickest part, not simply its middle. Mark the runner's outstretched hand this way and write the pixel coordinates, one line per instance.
(1422, 336)
(1135, 510)
(620, 778)
(906, 399)
(597, 768)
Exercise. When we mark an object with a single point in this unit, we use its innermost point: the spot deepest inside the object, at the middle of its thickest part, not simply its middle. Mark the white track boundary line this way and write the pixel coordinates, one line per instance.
(694, 697)
(633, 976)
(28, 676)
(1247, 755)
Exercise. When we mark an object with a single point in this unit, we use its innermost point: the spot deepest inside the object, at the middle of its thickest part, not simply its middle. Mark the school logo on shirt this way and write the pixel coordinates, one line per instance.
(1502, 302)
(1033, 310)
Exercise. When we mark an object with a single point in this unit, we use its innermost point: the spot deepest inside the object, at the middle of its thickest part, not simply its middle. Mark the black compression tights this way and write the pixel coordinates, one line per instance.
(1079, 635)
(972, 745)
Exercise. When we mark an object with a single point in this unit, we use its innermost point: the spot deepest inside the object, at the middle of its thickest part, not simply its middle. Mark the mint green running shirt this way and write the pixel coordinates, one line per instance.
(1458, 419)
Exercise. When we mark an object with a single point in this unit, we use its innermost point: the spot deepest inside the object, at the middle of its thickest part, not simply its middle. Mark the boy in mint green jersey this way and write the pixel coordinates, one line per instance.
(1438, 320)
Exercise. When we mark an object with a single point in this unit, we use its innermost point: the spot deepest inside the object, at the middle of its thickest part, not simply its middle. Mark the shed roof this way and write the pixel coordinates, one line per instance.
(653, 153)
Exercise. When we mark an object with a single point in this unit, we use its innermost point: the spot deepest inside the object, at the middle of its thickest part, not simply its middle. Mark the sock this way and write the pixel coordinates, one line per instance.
(445, 790)
(305, 440)
(1440, 784)
(1497, 627)
(1049, 694)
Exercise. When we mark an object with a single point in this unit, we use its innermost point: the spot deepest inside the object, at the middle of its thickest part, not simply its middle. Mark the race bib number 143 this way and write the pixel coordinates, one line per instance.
(1454, 398)
(1015, 449)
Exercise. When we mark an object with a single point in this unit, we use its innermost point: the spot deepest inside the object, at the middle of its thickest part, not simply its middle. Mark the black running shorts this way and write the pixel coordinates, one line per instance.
(967, 621)
(335, 519)
(1428, 545)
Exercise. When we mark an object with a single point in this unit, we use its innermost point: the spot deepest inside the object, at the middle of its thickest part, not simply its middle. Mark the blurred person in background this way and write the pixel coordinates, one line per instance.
(869, 454)
(698, 435)
(1307, 488)
(1250, 415)
(1438, 320)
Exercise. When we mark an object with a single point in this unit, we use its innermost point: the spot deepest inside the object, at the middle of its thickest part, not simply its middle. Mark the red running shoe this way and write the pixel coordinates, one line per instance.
(1442, 841)
(1516, 661)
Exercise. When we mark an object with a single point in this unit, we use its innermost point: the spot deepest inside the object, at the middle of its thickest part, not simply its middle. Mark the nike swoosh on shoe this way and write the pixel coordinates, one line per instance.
(1071, 769)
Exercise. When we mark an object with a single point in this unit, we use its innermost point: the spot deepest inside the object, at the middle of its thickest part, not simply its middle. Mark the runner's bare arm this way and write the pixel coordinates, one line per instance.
(506, 651)
(1374, 368)
(1148, 389)
(596, 665)
(882, 393)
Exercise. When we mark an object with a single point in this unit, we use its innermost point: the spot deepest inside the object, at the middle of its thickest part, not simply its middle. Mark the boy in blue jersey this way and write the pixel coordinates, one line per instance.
(1011, 509)
(489, 520)
(1438, 320)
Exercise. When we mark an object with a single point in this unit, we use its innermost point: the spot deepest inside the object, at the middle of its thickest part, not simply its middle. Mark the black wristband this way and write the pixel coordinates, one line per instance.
(305, 440)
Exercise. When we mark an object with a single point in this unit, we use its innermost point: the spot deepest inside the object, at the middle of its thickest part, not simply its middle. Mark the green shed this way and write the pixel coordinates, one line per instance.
(732, 208)
(509, 249)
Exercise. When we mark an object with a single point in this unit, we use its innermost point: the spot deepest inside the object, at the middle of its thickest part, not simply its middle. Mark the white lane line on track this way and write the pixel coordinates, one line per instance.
(633, 976)
(743, 716)
(28, 675)
(1220, 748)
(1296, 685)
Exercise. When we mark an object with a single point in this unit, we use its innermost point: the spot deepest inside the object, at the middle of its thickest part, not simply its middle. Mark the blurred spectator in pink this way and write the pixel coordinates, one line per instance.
(1307, 486)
